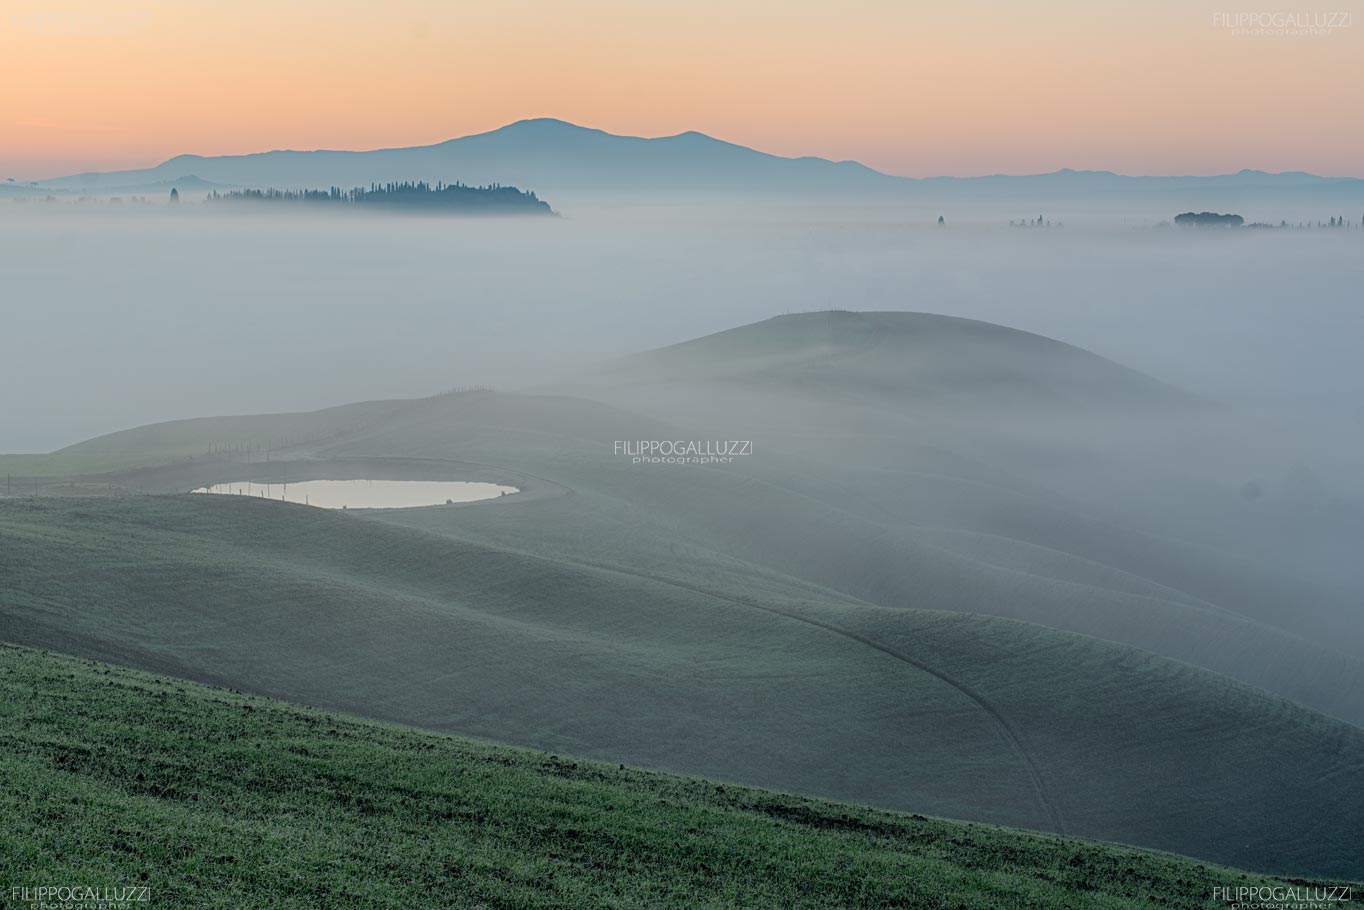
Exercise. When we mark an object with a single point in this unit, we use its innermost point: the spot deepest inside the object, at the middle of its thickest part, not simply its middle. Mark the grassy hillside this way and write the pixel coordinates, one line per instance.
(913, 525)
(688, 663)
(913, 358)
(216, 800)
(893, 601)
(875, 536)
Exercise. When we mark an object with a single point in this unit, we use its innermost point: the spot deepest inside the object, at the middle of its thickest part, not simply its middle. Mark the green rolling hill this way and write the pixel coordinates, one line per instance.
(905, 597)
(782, 684)
(899, 358)
(115, 779)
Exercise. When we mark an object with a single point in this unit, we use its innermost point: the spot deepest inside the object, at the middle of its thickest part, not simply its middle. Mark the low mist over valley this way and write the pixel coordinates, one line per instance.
(593, 520)
(302, 311)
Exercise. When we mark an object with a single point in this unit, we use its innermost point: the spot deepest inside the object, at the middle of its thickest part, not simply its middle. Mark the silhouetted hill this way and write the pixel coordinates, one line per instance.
(544, 154)
(553, 156)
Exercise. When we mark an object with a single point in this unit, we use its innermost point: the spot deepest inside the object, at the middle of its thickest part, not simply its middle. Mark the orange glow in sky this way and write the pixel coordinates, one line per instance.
(971, 87)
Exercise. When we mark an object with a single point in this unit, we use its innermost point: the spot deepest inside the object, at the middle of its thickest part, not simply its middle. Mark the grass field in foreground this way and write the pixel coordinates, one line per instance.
(208, 798)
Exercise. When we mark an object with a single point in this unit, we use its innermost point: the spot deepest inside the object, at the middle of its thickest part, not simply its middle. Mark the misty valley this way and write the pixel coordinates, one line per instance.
(344, 555)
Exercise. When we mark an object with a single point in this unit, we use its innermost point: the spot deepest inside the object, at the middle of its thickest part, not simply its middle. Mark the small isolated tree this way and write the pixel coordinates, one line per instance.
(941, 220)
(175, 195)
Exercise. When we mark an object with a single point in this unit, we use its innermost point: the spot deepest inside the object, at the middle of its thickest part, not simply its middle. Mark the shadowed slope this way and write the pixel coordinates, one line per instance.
(914, 541)
(940, 532)
(782, 685)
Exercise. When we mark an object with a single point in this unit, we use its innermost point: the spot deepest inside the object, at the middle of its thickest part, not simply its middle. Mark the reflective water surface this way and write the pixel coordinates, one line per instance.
(366, 494)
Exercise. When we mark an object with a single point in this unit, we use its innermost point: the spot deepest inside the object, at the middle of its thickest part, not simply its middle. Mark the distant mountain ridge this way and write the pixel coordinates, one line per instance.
(544, 155)
(553, 156)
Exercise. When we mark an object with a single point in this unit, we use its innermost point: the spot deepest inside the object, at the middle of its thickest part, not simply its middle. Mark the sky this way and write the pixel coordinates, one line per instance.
(972, 87)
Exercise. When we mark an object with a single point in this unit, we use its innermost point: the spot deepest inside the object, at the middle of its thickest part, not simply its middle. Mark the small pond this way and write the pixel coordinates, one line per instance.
(366, 494)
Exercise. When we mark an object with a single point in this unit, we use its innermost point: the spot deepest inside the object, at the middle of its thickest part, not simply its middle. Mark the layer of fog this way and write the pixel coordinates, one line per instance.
(116, 318)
